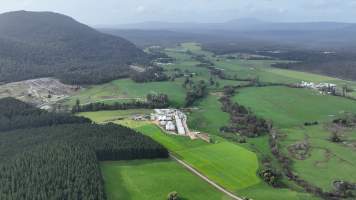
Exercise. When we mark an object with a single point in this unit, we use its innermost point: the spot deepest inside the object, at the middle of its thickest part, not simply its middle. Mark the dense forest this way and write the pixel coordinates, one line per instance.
(60, 159)
(15, 114)
(44, 44)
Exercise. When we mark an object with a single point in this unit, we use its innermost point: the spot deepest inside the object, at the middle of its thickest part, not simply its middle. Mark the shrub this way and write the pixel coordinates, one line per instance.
(173, 196)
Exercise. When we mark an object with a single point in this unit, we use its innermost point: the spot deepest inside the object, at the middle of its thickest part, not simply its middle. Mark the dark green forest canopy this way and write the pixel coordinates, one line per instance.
(61, 160)
(15, 114)
(44, 44)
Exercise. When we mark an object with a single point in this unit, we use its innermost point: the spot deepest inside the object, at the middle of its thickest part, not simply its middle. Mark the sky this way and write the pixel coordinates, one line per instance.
(114, 12)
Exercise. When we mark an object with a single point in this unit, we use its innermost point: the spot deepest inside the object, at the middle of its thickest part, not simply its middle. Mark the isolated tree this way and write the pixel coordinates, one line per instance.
(335, 137)
(173, 196)
(217, 84)
(76, 107)
(344, 90)
(271, 177)
(235, 76)
(186, 82)
(211, 81)
(335, 133)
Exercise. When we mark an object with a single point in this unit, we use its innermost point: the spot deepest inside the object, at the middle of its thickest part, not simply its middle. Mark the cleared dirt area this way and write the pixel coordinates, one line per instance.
(137, 68)
(42, 92)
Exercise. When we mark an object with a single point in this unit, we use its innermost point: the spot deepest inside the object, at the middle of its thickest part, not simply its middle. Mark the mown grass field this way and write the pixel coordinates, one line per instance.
(154, 179)
(288, 107)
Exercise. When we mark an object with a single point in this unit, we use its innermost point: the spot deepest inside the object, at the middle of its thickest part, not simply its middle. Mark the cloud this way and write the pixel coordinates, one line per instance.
(140, 9)
(123, 11)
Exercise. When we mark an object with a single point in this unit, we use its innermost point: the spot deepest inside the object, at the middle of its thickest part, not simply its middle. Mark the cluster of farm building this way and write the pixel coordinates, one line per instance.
(174, 121)
(328, 88)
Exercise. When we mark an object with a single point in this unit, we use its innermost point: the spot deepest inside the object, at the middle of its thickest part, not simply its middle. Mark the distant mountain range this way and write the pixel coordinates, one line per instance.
(240, 25)
(304, 34)
(42, 44)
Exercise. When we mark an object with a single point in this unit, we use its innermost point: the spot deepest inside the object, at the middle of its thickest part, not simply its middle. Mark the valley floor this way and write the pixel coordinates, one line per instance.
(232, 165)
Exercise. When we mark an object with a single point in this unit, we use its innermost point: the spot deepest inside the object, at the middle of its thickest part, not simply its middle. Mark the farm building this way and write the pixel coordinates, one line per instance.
(171, 120)
(322, 87)
(175, 122)
(170, 126)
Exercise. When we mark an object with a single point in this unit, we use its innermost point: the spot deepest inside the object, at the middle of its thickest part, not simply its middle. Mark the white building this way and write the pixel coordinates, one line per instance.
(170, 126)
(171, 120)
(180, 127)
(323, 87)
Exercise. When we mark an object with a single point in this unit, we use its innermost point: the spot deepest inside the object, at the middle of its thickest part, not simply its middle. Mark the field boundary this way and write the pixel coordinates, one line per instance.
(206, 179)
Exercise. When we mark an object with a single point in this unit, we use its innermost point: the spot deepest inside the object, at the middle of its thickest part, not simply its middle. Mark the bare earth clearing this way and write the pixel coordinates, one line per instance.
(42, 92)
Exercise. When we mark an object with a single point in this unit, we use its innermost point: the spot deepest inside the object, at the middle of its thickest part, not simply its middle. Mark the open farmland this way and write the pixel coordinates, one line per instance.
(292, 107)
(217, 161)
(289, 109)
(326, 161)
(128, 90)
(233, 166)
(154, 179)
(208, 117)
(245, 68)
(227, 164)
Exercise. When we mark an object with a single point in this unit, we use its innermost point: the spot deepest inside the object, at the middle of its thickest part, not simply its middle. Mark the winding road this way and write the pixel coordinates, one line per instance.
(206, 179)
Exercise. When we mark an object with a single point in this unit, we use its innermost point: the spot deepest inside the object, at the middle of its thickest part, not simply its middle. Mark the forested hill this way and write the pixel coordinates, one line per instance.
(37, 44)
(58, 158)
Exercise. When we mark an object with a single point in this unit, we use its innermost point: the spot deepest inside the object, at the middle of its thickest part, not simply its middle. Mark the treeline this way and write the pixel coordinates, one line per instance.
(195, 90)
(149, 75)
(15, 114)
(62, 161)
(242, 120)
(152, 101)
(345, 69)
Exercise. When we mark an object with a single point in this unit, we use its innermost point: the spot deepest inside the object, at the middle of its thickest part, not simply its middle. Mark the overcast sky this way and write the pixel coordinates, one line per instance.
(110, 12)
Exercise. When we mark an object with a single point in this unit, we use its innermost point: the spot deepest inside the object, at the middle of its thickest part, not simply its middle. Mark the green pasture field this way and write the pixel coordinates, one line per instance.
(126, 89)
(208, 117)
(234, 166)
(228, 164)
(288, 107)
(263, 70)
(185, 62)
(154, 179)
(117, 115)
(327, 161)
